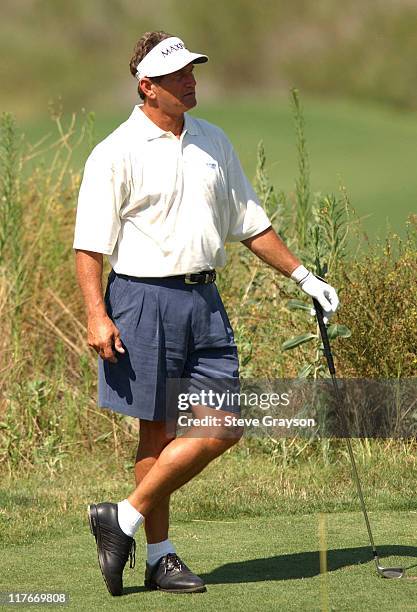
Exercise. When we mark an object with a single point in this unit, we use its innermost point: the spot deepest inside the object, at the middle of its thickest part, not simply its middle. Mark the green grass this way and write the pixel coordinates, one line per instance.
(253, 564)
(368, 148)
(247, 481)
(247, 524)
(366, 55)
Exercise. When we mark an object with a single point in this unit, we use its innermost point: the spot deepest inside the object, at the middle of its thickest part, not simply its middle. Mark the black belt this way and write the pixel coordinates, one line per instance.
(194, 278)
(198, 278)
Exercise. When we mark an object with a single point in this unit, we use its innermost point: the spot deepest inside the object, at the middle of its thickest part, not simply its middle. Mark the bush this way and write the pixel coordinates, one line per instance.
(379, 304)
(48, 376)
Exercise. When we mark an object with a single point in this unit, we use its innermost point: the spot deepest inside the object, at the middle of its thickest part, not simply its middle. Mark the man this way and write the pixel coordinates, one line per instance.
(160, 197)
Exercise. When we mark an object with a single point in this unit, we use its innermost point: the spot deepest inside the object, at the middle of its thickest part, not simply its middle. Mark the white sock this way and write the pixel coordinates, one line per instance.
(158, 550)
(129, 518)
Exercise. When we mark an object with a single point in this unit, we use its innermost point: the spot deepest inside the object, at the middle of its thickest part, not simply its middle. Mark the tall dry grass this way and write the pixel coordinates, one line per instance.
(48, 375)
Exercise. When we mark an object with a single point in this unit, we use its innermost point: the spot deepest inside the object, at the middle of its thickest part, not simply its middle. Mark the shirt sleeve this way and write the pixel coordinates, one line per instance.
(247, 217)
(102, 192)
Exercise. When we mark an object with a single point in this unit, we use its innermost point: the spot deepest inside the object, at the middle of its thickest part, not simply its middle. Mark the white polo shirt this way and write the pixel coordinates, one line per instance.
(158, 205)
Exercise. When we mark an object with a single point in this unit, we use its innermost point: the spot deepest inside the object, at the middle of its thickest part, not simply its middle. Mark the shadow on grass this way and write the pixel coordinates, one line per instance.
(134, 589)
(300, 565)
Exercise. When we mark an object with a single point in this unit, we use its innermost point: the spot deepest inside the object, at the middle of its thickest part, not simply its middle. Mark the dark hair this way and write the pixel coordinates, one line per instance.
(147, 42)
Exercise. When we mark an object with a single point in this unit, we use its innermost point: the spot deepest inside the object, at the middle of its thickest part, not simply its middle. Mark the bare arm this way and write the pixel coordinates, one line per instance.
(103, 335)
(89, 267)
(269, 247)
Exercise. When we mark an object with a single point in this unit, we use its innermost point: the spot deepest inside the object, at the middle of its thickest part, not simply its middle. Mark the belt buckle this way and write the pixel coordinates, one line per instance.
(211, 276)
(206, 278)
(188, 281)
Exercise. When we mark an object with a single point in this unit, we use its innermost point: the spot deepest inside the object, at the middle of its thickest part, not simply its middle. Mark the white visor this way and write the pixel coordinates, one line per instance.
(167, 56)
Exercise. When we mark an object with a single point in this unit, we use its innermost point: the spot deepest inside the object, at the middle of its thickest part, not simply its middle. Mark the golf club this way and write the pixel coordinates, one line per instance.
(385, 572)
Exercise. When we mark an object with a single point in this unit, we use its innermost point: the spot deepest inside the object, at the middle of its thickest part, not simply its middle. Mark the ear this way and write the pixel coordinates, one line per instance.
(148, 88)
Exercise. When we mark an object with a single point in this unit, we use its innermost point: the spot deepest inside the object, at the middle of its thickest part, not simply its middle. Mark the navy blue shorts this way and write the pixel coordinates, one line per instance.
(170, 330)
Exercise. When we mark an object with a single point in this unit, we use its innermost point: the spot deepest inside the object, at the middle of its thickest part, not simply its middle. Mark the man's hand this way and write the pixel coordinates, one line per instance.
(269, 247)
(324, 293)
(104, 337)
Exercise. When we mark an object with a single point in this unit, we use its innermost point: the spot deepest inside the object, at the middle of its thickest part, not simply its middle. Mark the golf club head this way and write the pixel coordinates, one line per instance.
(389, 572)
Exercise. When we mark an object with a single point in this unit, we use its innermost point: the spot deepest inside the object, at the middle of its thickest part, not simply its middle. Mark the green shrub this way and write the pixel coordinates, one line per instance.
(379, 304)
(48, 375)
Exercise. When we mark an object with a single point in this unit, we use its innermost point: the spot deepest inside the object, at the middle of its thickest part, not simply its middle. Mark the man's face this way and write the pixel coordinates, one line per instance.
(175, 92)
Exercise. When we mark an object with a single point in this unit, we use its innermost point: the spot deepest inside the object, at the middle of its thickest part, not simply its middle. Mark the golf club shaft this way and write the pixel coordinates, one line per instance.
(330, 363)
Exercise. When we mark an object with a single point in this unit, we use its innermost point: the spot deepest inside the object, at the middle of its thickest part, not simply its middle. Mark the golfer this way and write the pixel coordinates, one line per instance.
(160, 196)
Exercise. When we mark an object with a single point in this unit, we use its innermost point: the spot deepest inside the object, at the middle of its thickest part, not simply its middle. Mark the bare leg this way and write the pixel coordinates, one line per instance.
(179, 461)
(153, 439)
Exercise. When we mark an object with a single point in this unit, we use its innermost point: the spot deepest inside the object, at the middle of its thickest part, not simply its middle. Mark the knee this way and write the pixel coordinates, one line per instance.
(224, 440)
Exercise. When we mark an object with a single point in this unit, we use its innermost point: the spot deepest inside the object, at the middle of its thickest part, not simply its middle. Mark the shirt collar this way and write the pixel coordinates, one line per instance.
(150, 130)
(190, 125)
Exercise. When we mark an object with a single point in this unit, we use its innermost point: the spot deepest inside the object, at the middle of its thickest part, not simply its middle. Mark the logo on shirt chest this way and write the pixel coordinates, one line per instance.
(203, 171)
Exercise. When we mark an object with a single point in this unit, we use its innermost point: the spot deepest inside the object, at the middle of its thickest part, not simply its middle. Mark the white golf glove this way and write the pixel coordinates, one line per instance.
(324, 293)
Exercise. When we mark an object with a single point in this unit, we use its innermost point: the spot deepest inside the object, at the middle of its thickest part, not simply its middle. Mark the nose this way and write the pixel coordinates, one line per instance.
(191, 80)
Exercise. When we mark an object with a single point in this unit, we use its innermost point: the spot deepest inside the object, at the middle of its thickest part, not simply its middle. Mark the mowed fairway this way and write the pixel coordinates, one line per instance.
(250, 564)
(371, 150)
(248, 526)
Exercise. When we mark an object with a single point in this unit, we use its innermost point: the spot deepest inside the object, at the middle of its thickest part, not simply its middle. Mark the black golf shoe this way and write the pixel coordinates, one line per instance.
(114, 547)
(171, 575)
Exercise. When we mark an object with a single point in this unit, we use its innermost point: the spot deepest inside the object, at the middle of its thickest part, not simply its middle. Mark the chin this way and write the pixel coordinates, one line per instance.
(190, 102)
